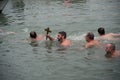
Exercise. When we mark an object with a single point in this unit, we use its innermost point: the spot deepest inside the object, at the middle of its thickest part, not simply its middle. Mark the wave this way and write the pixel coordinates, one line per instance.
(77, 37)
(25, 30)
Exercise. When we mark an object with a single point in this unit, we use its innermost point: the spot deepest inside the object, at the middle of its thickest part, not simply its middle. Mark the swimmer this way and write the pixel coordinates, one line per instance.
(90, 40)
(34, 37)
(111, 51)
(61, 37)
(109, 36)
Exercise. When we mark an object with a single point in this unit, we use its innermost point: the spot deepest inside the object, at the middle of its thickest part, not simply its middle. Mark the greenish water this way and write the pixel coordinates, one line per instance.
(20, 61)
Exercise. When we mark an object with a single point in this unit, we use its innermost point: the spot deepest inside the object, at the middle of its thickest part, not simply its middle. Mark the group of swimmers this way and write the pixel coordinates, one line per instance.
(89, 37)
(110, 48)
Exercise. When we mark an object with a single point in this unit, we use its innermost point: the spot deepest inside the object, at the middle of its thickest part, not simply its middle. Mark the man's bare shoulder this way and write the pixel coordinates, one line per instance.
(66, 43)
(92, 43)
(108, 36)
(89, 44)
(40, 37)
(118, 53)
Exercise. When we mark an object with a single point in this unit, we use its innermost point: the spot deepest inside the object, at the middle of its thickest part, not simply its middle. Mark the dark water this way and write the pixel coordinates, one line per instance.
(21, 61)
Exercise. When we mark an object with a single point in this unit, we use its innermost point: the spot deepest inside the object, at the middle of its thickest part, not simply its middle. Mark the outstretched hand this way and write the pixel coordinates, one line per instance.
(49, 37)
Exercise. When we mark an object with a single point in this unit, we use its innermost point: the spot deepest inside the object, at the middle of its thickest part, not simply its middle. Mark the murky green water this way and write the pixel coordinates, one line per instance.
(20, 61)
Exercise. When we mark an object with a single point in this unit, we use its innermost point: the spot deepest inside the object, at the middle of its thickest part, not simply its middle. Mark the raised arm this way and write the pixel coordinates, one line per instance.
(49, 37)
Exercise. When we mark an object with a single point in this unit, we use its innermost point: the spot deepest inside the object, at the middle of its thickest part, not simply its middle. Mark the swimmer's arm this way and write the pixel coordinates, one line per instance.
(115, 35)
(50, 38)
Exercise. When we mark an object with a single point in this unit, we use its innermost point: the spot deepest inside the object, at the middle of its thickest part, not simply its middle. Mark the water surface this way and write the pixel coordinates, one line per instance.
(21, 61)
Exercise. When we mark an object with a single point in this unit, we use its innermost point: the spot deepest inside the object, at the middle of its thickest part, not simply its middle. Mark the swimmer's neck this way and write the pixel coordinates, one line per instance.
(90, 40)
(102, 34)
(62, 40)
(33, 38)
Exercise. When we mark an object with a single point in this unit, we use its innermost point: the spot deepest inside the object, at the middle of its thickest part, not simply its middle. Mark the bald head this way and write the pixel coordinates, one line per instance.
(111, 46)
(110, 49)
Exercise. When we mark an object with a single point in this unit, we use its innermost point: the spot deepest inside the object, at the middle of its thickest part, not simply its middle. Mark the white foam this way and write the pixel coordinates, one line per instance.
(25, 30)
(77, 37)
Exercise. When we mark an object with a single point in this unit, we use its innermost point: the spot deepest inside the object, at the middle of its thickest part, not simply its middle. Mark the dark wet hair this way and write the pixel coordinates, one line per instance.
(33, 34)
(90, 35)
(63, 33)
(101, 31)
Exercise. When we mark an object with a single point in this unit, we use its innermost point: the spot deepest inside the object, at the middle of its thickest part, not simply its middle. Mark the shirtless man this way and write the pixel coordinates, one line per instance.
(34, 37)
(111, 51)
(109, 36)
(61, 38)
(90, 40)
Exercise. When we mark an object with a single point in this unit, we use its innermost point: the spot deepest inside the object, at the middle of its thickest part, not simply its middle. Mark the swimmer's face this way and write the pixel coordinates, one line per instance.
(108, 48)
(86, 38)
(59, 37)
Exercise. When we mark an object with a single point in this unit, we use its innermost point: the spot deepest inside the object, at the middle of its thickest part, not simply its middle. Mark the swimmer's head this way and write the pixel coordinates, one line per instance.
(89, 36)
(33, 34)
(101, 31)
(61, 35)
(110, 49)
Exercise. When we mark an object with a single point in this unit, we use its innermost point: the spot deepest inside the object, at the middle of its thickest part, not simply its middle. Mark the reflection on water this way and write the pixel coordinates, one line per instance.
(42, 61)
